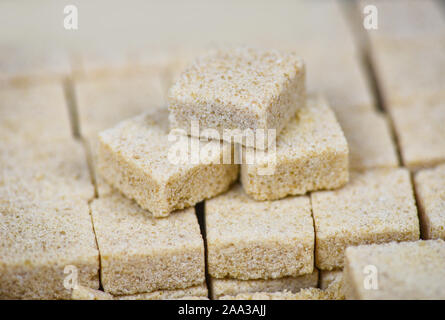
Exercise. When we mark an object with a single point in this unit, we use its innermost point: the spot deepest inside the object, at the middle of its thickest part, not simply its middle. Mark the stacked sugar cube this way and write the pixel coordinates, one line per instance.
(228, 91)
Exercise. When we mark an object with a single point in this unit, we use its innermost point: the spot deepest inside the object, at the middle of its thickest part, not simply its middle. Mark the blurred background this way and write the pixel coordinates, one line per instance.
(114, 31)
(126, 54)
(138, 24)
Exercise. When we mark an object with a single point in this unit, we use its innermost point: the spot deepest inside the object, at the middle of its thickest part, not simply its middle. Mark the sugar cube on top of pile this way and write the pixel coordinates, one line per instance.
(238, 89)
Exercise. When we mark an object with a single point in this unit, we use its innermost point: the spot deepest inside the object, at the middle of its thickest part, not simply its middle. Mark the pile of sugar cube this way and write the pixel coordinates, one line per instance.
(244, 112)
(244, 187)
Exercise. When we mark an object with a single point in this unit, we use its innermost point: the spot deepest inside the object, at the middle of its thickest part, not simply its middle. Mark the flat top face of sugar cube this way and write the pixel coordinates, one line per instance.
(123, 227)
(315, 130)
(44, 233)
(240, 79)
(340, 77)
(53, 169)
(94, 63)
(369, 140)
(432, 179)
(409, 67)
(430, 186)
(21, 63)
(145, 142)
(102, 103)
(406, 269)
(234, 215)
(34, 113)
(375, 201)
(419, 127)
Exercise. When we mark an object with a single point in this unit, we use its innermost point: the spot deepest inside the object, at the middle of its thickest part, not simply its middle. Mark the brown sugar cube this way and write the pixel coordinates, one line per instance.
(138, 158)
(34, 113)
(238, 89)
(248, 239)
(46, 246)
(369, 140)
(419, 128)
(102, 103)
(430, 190)
(375, 206)
(141, 254)
(311, 154)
